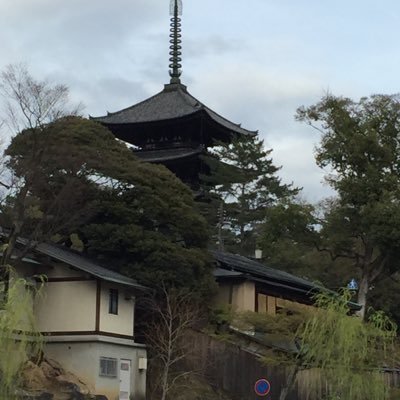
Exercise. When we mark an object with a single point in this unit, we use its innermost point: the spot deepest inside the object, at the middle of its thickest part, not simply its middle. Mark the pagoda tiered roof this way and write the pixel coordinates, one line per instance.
(173, 102)
(173, 128)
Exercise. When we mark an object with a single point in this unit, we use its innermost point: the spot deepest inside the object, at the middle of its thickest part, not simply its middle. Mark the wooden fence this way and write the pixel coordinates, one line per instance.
(235, 370)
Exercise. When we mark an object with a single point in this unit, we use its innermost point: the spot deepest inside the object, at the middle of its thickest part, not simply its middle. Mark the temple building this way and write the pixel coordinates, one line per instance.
(173, 128)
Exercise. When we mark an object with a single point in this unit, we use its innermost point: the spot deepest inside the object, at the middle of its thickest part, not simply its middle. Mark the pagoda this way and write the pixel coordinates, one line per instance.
(173, 128)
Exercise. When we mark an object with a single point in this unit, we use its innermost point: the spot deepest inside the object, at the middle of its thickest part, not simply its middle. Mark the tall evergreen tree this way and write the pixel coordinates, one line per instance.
(72, 176)
(246, 185)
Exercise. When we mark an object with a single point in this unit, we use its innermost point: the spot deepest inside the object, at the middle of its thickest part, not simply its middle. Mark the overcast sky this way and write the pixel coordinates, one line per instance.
(252, 61)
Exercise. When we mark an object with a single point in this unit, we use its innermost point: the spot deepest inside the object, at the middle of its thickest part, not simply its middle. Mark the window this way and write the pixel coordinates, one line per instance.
(113, 302)
(108, 367)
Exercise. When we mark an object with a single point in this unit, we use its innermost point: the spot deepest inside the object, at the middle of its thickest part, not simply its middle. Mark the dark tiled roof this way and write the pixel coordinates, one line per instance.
(246, 265)
(86, 265)
(224, 273)
(173, 102)
(166, 154)
(258, 272)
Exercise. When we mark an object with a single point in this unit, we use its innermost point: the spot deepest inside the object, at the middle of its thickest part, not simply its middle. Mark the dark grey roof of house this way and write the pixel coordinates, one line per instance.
(224, 273)
(257, 271)
(242, 264)
(86, 265)
(172, 102)
(166, 154)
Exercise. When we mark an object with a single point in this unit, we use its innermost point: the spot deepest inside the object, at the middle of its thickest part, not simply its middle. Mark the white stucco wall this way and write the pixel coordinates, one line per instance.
(67, 307)
(122, 323)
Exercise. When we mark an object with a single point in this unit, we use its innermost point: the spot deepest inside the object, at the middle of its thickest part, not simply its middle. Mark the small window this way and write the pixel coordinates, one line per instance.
(108, 367)
(113, 302)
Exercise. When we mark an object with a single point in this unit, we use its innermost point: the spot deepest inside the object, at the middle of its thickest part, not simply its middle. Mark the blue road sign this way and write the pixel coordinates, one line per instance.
(262, 387)
(352, 285)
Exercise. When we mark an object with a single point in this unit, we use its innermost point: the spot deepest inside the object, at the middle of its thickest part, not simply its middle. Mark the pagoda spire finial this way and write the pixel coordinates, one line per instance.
(175, 40)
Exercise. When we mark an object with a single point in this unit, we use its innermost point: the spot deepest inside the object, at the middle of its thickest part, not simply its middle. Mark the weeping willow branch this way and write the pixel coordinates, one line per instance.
(347, 351)
(19, 338)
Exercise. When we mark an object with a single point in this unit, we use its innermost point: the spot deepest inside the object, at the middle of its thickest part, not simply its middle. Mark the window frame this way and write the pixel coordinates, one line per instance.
(113, 300)
(106, 370)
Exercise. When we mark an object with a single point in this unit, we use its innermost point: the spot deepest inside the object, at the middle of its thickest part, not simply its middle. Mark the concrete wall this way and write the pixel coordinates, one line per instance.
(83, 359)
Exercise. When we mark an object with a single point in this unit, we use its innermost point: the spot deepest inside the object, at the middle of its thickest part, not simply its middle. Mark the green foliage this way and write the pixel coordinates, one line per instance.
(147, 226)
(290, 220)
(246, 183)
(79, 183)
(289, 236)
(221, 317)
(200, 389)
(57, 168)
(285, 323)
(347, 351)
(19, 338)
(394, 394)
(385, 296)
(360, 142)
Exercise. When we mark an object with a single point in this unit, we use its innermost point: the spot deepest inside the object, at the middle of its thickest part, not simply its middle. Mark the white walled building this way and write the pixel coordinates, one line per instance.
(87, 313)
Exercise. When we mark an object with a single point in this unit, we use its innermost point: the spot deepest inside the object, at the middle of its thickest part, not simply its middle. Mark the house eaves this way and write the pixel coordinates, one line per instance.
(81, 263)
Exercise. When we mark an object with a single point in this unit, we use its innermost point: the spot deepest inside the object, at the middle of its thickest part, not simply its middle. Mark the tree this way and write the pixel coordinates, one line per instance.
(70, 177)
(30, 103)
(67, 175)
(348, 352)
(30, 106)
(360, 145)
(172, 314)
(15, 349)
(290, 239)
(246, 182)
(385, 296)
(74, 177)
(330, 353)
(54, 171)
(288, 234)
(148, 227)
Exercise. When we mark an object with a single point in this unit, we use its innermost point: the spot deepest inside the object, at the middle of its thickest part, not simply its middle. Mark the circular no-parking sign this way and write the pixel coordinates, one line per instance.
(262, 387)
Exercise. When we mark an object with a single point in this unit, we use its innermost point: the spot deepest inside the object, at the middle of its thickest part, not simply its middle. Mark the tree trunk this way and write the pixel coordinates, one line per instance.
(220, 226)
(362, 294)
(164, 385)
(17, 226)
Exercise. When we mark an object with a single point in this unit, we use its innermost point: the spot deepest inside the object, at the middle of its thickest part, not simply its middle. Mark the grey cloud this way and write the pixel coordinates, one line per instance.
(255, 67)
(196, 48)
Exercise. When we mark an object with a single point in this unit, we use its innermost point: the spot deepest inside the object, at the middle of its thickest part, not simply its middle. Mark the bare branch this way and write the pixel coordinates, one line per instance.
(173, 315)
(30, 103)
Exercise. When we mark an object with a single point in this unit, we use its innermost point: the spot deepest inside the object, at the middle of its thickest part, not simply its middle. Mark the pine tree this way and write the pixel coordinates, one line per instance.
(245, 185)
